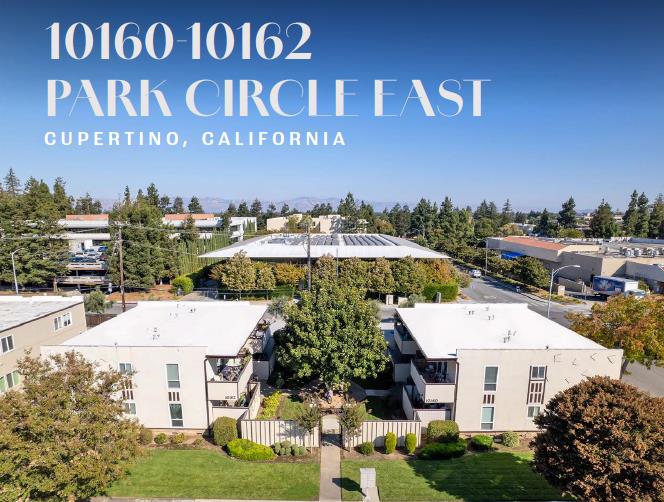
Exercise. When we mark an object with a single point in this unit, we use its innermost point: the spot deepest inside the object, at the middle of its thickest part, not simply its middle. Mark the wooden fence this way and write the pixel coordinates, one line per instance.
(268, 432)
(375, 430)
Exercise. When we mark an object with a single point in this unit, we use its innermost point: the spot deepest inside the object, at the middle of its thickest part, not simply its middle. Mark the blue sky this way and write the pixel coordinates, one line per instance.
(574, 106)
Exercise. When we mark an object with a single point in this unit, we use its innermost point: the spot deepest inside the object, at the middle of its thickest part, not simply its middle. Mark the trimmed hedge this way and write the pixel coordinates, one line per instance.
(411, 442)
(510, 439)
(145, 436)
(390, 442)
(443, 431)
(248, 450)
(436, 451)
(160, 438)
(224, 430)
(285, 448)
(270, 406)
(366, 448)
(448, 292)
(177, 438)
(481, 442)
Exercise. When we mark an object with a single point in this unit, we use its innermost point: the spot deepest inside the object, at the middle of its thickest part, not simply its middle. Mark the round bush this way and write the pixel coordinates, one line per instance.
(224, 430)
(300, 451)
(177, 438)
(443, 431)
(366, 448)
(390, 442)
(184, 283)
(244, 449)
(145, 436)
(510, 439)
(198, 442)
(481, 442)
(160, 438)
(411, 442)
(435, 451)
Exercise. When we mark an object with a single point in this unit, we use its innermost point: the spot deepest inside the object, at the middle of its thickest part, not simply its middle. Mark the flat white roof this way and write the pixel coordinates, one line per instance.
(441, 330)
(17, 310)
(294, 246)
(221, 327)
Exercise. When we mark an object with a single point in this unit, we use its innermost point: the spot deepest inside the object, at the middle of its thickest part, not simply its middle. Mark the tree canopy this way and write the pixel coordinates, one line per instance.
(603, 440)
(332, 334)
(63, 436)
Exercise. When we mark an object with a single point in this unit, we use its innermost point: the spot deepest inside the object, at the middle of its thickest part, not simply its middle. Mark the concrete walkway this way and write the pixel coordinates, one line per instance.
(330, 460)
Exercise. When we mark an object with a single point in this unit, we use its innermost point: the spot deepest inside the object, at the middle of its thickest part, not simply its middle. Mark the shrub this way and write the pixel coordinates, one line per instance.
(285, 448)
(411, 442)
(443, 431)
(510, 439)
(198, 442)
(390, 442)
(434, 451)
(145, 436)
(299, 451)
(248, 450)
(177, 438)
(448, 292)
(183, 283)
(224, 429)
(366, 448)
(270, 405)
(481, 442)
(160, 438)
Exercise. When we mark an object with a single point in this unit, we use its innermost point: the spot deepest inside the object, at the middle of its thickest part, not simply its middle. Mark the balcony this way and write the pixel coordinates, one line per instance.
(228, 378)
(403, 340)
(434, 380)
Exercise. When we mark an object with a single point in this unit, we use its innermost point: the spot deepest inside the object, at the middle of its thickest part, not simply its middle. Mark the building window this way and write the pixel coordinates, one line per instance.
(536, 392)
(173, 376)
(176, 414)
(9, 380)
(62, 321)
(490, 378)
(130, 408)
(533, 411)
(537, 372)
(125, 368)
(7, 343)
(487, 418)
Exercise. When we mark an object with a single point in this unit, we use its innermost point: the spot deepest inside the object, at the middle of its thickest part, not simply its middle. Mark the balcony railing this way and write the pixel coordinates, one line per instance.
(228, 382)
(433, 373)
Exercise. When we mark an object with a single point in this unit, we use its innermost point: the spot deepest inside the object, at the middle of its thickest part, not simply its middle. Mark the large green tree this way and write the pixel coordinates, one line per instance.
(643, 217)
(380, 279)
(409, 277)
(602, 440)
(332, 334)
(237, 273)
(63, 436)
(656, 224)
(631, 216)
(627, 323)
(602, 223)
(353, 273)
(567, 215)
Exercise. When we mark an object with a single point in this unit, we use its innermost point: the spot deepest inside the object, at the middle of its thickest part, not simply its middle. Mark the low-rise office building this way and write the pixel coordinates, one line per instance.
(27, 323)
(489, 367)
(189, 362)
(324, 224)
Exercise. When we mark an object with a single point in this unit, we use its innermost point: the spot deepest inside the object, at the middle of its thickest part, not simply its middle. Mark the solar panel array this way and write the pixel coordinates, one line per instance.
(324, 240)
(364, 240)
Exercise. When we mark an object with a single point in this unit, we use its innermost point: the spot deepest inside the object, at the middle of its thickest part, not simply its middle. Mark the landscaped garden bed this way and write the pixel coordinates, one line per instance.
(208, 473)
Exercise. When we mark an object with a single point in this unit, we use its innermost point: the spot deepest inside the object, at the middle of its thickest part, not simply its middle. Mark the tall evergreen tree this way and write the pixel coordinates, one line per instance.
(643, 217)
(165, 204)
(127, 195)
(195, 205)
(567, 215)
(507, 214)
(178, 205)
(12, 183)
(63, 202)
(602, 223)
(152, 195)
(631, 215)
(285, 209)
(656, 224)
(546, 226)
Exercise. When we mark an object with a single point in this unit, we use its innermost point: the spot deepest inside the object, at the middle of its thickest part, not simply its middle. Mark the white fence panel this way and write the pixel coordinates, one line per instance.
(375, 430)
(268, 432)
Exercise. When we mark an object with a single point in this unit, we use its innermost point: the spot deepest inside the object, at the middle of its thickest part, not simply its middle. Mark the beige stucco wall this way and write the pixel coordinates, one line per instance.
(565, 368)
(33, 334)
(150, 384)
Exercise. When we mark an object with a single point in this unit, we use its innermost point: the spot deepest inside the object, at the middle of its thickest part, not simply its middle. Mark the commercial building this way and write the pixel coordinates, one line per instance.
(27, 323)
(189, 362)
(293, 247)
(641, 259)
(489, 367)
(324, 224)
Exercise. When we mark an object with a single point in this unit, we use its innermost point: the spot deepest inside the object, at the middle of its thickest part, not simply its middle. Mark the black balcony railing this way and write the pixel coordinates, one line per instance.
(434, 372)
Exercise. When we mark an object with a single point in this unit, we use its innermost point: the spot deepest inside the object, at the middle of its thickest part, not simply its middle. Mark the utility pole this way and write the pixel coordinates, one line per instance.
(308, 256)
(122, 289)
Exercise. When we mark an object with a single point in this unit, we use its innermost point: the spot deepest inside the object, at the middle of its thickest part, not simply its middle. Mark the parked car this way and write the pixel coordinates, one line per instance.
(476, 273)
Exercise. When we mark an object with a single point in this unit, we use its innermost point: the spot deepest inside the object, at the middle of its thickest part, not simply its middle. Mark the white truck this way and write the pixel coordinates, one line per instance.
(610, 286)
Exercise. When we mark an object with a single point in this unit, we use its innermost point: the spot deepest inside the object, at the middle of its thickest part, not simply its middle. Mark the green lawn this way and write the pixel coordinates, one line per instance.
(377, 408)
(210, 474)
(487, 476)
(290, 407)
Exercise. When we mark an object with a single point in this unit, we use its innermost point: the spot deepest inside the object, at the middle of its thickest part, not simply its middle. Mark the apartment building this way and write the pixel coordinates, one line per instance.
(489, 367)
(27, 323)
(189, 362)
